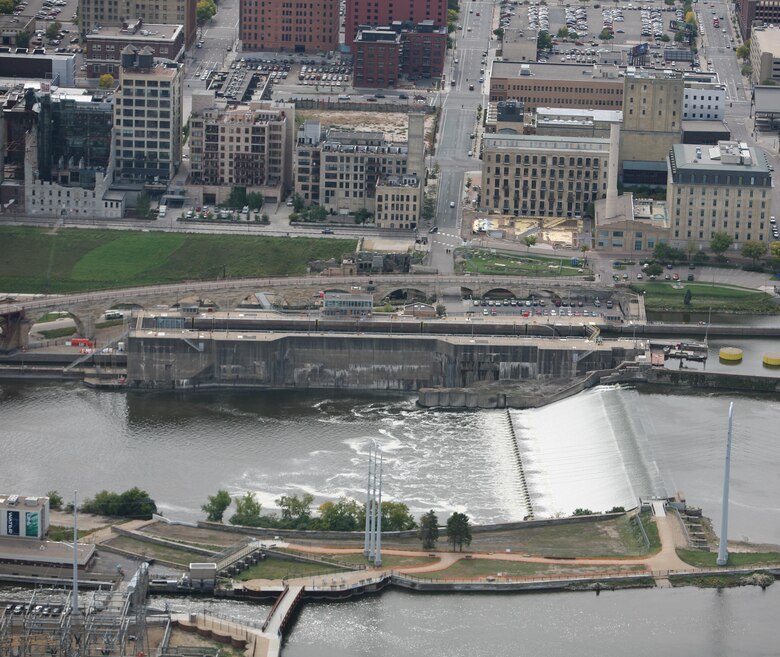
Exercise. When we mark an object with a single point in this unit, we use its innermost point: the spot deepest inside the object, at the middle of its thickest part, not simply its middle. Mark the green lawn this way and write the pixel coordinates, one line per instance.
(58, 333)
(278, 568)
(736, 559)
(474, 568)
(35, 260)
(485, 262)
(150, 550)
(664, 296)
(388, 560)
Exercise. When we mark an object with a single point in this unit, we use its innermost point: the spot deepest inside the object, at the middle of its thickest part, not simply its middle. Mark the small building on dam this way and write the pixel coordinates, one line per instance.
(172, 351)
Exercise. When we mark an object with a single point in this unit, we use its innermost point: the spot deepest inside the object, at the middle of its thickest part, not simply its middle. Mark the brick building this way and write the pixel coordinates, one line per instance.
(370, 13)
(384, 54)
(752, 12)
(105, 46)
(305, 26)
(95, 14)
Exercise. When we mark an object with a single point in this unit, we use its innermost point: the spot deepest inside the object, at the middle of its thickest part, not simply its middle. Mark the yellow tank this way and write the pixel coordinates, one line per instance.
(731, 354)
(772, 360)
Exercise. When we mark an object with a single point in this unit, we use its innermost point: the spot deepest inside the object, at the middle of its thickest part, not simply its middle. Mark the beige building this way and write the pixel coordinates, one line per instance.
(97, 14)
(538, 176)
(343, 169)
(628, 225)
(652, 115)
(557, 85)
(399, 202)
(147, 120)
(567, 122)
(723, 188)
(765, 54)
(245, 145)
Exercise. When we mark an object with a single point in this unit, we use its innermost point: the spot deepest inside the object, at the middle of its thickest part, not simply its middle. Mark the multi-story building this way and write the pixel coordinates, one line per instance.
(24, 517)
(557, 85)
(55, 69)
(147, 120)
(370, 13)
(99, 14)
(723, 188)
(343, 169)
(652, 120)
(245, 145)
(304, 26)
(704, 101)
(398, 202)
(345, 304)
(536, 176)
(382, 55)
(105, 46)
(377, 58)
(765, 55)
(506, 117)
(12, 26)
(752, 13)
(574, 123)
(519, 44)
(634, 225)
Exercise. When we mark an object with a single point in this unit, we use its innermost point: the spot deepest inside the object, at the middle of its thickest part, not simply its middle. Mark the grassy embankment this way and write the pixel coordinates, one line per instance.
(34, 260)
(670, 296)
(481, 568)
(515, 264)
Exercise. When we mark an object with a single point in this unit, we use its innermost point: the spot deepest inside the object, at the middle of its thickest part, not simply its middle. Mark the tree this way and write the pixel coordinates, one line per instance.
(55, 500)
(247, 511)
(396, 517)
(654, 269)
(529, 241)
(720, 242)
(341, 516)
(216, 506)
(774, 249)
(237, 198)
(6, 6)
(362, 216)
(499, 33)
(133, 503)
(543, 41)
(296, 511)
(254, 200)
(429, 530)
(582, 512)
(317, 213)
(53, 30)
(743, 51)
(440, 309)
(563, 33)
(665, 253)
(23, 39)
(688, 296)
(458, 531)
(754, 250)
(665, 38)
(205, 10)
(297, 201)
(106, 81)
(606, 35)
(747, 70)
(143, 206)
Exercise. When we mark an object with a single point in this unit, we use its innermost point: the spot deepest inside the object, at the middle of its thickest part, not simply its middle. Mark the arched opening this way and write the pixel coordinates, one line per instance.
(499, 293)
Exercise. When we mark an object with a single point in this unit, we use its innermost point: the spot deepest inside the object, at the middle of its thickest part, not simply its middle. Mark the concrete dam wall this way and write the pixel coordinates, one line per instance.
(183, 359)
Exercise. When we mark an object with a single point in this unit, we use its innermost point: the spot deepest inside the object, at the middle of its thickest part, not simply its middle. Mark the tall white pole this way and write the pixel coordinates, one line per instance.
(723, 549)
(366, 540)
(378, 551)
(75, 597)
(370, 510)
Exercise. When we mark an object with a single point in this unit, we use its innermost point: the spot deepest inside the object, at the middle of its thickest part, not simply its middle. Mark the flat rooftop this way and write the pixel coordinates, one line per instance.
(767, 40)
(150, 32)
(553, 113)
(726, 156)
(542, 71)
(535, 141)
(45, 552)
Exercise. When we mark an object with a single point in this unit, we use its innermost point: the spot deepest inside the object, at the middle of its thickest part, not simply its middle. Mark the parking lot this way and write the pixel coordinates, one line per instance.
(629, 25)
(47, 12)
(578, 306)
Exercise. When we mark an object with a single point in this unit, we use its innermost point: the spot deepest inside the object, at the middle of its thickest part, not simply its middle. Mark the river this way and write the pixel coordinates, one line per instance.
(597, 450)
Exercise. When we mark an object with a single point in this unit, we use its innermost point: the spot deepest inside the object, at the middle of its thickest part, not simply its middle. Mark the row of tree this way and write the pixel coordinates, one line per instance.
(719, 244)
(342, 515)
(133, 503)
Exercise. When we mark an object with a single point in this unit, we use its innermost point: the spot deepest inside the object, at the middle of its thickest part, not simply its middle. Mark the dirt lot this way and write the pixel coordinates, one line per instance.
(393, 124)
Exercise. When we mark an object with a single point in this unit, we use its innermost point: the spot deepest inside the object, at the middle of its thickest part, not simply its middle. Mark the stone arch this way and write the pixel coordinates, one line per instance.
(499, 293)
(466, 292)
(407, 294)
(57, 325)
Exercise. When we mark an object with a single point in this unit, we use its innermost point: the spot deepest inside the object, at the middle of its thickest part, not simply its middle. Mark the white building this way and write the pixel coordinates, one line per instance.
(704, 101)
(24, 517)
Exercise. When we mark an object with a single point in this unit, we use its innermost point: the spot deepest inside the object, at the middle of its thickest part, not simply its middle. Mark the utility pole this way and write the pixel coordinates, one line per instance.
(378, 541)
(366, 541)
(372, 543)
(723, 549)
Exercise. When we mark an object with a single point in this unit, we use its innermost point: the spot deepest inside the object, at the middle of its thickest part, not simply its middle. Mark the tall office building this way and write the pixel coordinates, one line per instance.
(378, 14)
(147, 119)
(309, 26)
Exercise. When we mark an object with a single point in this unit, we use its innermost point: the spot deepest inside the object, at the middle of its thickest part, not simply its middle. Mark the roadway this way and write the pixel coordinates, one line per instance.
(457, 122)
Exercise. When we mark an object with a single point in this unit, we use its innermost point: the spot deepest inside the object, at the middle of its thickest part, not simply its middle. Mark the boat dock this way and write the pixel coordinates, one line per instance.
(663, 350)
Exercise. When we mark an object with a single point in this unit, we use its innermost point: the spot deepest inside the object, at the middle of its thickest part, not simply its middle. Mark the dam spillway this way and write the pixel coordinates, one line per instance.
(172, 354)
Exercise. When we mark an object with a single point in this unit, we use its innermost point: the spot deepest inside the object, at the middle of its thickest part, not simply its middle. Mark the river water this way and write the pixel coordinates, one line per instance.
(600, 449)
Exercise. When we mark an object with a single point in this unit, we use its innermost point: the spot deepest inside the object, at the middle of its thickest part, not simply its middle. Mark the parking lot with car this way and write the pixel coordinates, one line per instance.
(577, 306)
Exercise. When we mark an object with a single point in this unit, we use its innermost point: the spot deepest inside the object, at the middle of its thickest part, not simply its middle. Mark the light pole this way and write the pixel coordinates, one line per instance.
(723, 550)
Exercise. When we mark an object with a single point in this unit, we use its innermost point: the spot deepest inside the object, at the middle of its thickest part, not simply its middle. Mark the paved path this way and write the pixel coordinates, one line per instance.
(664, 560)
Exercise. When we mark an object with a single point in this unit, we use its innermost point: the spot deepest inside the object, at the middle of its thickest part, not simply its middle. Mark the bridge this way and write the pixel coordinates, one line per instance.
(87, 308)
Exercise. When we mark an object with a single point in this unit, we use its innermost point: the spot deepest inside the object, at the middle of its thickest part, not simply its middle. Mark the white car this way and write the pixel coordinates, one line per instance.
(452, 204)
